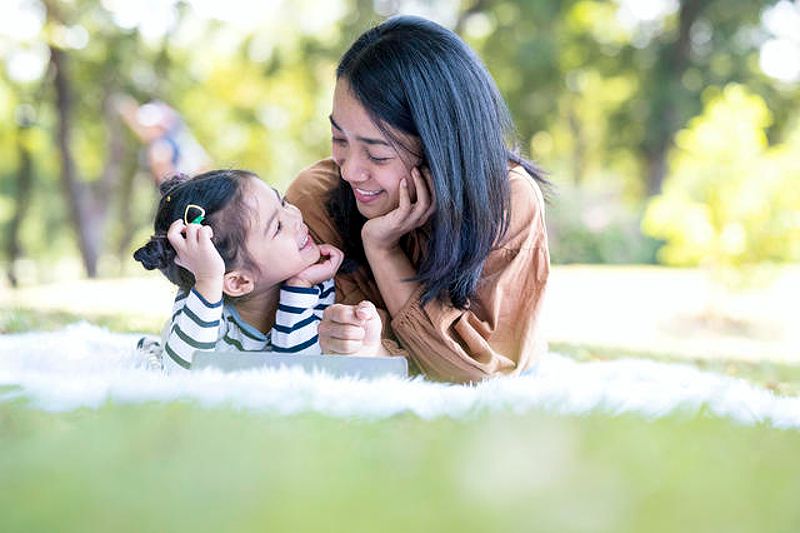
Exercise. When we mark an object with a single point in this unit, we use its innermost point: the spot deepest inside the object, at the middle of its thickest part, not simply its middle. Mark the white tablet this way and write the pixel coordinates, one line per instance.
(335, 365)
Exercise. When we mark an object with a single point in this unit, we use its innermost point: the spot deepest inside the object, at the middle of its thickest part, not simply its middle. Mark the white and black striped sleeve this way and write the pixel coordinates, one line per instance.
(298, 316)
(195, 326)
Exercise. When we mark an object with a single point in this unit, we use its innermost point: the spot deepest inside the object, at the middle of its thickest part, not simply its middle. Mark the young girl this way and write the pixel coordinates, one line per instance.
(249, 275)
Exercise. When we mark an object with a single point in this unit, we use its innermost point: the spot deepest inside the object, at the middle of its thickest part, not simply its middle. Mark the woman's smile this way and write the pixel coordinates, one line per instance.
(366, 196)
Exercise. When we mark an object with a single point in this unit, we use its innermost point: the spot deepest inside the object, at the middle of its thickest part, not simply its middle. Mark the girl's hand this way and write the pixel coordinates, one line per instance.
(330, 260)
(195, 251)
(351, 330)
(384, 232)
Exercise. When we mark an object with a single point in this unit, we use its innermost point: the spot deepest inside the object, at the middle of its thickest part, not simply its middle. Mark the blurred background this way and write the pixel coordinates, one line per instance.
(671, 131)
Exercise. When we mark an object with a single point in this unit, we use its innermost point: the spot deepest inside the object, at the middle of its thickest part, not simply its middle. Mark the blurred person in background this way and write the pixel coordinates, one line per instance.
(170, 148)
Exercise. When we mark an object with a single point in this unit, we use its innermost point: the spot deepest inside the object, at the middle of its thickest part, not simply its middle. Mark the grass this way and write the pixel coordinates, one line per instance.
(179, 467)
(780, 378)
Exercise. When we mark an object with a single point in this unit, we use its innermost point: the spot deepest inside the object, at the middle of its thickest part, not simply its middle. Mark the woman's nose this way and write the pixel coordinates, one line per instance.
(352, 172)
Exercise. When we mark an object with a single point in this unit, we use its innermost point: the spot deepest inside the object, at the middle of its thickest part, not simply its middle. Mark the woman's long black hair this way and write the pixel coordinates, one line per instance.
(419, 78)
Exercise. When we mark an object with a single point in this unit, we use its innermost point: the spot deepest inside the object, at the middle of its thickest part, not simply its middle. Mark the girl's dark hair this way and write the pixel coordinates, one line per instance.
(220, 193)
(419, 78)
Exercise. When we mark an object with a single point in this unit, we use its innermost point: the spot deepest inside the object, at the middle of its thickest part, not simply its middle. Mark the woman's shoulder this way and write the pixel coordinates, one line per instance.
(314, 182)
(309, 192)
(526, 228)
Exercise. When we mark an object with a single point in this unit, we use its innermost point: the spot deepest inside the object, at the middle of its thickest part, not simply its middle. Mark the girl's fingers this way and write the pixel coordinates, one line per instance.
(175, 235)
(331, 257)
(208, 232)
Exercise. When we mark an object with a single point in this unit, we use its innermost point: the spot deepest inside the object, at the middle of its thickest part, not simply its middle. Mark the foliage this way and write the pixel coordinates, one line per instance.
(592, 225)
(597, 96)
(731, 200)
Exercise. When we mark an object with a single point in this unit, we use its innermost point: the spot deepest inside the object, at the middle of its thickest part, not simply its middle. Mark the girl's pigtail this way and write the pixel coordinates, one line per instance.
(157, 253)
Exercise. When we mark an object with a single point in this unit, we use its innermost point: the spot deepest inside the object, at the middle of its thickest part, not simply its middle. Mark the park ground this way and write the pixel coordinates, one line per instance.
(179, 466)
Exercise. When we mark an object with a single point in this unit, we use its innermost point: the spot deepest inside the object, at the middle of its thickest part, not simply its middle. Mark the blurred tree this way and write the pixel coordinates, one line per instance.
(730, 200)
(597, 88)
(596, 92)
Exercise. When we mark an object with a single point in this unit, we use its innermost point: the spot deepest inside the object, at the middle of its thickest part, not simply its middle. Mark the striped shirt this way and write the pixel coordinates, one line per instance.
(198, 324)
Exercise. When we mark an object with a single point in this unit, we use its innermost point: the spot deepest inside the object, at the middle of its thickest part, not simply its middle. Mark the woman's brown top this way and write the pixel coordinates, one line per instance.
(499, 332)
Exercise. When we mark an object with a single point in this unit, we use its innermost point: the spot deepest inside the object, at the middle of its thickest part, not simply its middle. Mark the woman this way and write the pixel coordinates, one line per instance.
(441, 224)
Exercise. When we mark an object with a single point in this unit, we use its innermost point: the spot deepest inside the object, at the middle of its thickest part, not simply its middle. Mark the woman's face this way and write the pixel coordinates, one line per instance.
(367, 159)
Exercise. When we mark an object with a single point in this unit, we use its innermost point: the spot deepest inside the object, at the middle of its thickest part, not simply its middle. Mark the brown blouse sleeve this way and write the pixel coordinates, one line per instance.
(500, 331)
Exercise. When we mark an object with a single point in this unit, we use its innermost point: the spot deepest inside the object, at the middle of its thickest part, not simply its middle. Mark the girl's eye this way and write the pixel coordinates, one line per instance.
(339, 141)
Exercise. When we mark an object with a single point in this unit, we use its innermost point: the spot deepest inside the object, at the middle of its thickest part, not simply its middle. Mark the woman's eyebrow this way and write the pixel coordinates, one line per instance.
(365, 140)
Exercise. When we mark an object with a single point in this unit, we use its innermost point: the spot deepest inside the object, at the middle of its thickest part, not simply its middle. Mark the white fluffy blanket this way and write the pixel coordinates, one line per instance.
(86, 366)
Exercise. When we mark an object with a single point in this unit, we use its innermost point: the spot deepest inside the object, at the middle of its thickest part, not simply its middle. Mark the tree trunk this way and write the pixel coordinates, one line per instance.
(22, 198)
(76, 191)
(666, 111)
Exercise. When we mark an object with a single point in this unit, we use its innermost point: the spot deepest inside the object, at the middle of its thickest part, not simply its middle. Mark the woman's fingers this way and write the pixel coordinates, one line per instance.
(338, 346)
(342, 314)
(405, 199)
(342, 332)
(336, 334)
(422, 208)
(372, 322)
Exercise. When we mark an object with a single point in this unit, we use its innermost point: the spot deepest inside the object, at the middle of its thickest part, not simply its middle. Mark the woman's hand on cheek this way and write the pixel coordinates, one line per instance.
(384, 232)
(330, 260)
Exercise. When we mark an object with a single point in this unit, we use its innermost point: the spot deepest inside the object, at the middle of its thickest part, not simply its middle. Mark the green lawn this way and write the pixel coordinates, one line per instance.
(182, 467)
(179, 467)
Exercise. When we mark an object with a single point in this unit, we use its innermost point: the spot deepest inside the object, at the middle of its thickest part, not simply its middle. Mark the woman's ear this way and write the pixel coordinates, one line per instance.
(237, 283)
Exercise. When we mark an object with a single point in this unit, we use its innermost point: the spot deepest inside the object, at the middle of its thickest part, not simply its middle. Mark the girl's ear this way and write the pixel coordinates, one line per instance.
(237, 283)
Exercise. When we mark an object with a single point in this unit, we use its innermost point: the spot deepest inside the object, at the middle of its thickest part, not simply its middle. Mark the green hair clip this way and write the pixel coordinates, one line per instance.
(194, 214)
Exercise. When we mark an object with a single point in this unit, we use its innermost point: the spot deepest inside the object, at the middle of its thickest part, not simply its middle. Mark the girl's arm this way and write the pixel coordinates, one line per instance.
(298, 316)
(197, 318)
(303, 299)
(194, 326)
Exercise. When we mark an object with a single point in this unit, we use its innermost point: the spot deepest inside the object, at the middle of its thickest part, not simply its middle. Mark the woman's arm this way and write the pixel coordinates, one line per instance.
(390, 266)
(499, 331)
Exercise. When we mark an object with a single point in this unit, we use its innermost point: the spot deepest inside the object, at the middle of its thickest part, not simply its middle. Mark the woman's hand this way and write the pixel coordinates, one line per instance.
(197, 254)
(330, 260)
(351, 330)
(384, 232)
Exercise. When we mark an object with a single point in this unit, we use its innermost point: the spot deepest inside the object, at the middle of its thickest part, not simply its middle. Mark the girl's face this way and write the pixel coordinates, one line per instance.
(277, 240)
(368, 161)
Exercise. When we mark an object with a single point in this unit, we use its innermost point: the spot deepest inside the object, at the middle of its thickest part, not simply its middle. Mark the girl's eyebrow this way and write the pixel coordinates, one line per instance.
(365, 140)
